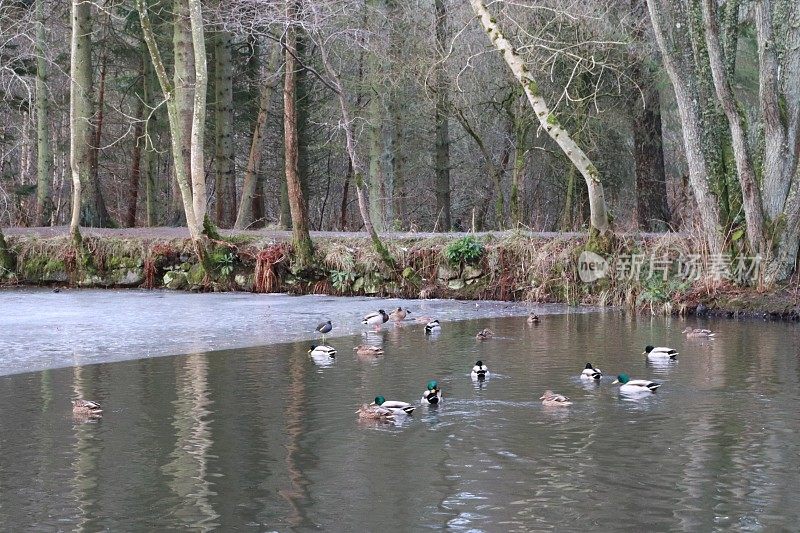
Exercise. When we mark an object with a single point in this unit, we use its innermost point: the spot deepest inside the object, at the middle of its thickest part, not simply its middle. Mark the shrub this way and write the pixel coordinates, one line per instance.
(466, 249)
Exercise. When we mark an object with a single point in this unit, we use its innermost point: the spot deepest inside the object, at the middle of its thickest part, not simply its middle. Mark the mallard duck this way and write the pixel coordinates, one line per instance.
(635, 385)
(533, 318)
(659, 352)
(480, 371)
(368, 349)
(86, 408)
(322, 350)
(375, 413)
(484, 334)
(590, 372)
(324, 327)
(396, 407)
(399, 314)
(376, 319)
(432, 326)
(550, 398)
(433, 394)
(698, 333)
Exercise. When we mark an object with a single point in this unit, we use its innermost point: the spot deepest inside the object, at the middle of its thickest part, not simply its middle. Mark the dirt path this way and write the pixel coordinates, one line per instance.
(164, 232)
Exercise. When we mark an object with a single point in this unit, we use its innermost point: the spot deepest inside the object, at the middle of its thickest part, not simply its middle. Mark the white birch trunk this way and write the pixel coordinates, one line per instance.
(597, 205)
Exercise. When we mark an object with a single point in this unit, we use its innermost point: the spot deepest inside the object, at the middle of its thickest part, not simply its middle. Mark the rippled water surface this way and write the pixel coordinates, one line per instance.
(265, 439)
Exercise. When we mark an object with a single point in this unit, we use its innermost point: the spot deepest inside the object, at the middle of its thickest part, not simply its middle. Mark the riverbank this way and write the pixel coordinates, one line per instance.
(658, 273)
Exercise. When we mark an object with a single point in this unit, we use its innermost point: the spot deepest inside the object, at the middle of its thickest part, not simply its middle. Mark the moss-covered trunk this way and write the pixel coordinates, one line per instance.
(7, 262)
(301, 239)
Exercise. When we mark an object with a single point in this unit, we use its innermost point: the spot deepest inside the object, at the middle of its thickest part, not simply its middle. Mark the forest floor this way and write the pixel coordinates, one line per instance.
(515, 266)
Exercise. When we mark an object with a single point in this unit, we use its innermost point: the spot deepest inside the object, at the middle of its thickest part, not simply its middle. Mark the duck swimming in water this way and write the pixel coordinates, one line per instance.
(551, 399)
(432, 326)
(590, 372)
(433, 394)
(698, 333)
(322, 350)
(396, 407)
(635, 386)
(660, 353)
(368, 349)
(81, 407)
(480, 371)
(484, 334)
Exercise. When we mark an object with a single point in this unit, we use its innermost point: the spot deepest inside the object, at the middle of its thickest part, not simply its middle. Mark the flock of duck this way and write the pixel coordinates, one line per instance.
(382, 409)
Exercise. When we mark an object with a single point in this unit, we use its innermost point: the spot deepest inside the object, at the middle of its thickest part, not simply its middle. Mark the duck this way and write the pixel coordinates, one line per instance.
(433, 394)
(550, 398)
(396, 407)
(376, 319)
(698, 333)
(324, 327)
(590, 372)
(484, 334)
(368, 349)
(399, 314)
(374, 412)
(480, 371)
(83, 407)
(533, 318)
(659, 352)
(432, 326)
(322, 350)
(635, 385)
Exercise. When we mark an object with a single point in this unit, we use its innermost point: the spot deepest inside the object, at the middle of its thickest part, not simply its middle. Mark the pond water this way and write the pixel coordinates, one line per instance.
(264, 439)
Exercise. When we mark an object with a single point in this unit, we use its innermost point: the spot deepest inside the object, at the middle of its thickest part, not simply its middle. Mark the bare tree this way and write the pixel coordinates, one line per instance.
(600, 224)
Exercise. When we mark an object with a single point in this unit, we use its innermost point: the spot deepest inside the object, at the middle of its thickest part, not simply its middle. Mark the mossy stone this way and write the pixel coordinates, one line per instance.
(175, 279)
(196, 275)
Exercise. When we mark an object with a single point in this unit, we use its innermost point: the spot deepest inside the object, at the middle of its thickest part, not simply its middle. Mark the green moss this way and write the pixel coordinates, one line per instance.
(552, 120)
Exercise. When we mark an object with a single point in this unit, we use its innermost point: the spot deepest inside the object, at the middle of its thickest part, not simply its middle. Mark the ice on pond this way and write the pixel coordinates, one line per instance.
(42, 329)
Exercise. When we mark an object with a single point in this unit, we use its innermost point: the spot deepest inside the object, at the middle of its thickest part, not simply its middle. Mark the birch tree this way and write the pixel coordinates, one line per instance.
(189, 167)
(599, 220)
(80, 108)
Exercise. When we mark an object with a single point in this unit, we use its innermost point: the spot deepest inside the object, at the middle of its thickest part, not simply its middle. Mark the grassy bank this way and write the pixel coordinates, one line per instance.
(646, 273)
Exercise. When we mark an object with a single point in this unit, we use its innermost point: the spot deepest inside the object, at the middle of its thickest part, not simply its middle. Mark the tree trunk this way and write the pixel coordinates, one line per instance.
(136, 172)
(301, 239)
(597, 204)
(44, 155)
(198, 113)
(177, 115)
(245, 215)
(148, 164)
(652, 212)
(441, 119)
(80, 109)
(95, 211)
(182, 94)
(676, 55)
(751, 196)
(350, 143)
(225, 155)
(7, 263)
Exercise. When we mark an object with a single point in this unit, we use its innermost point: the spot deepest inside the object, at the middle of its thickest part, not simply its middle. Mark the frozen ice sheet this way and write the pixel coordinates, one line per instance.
(42, 329)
